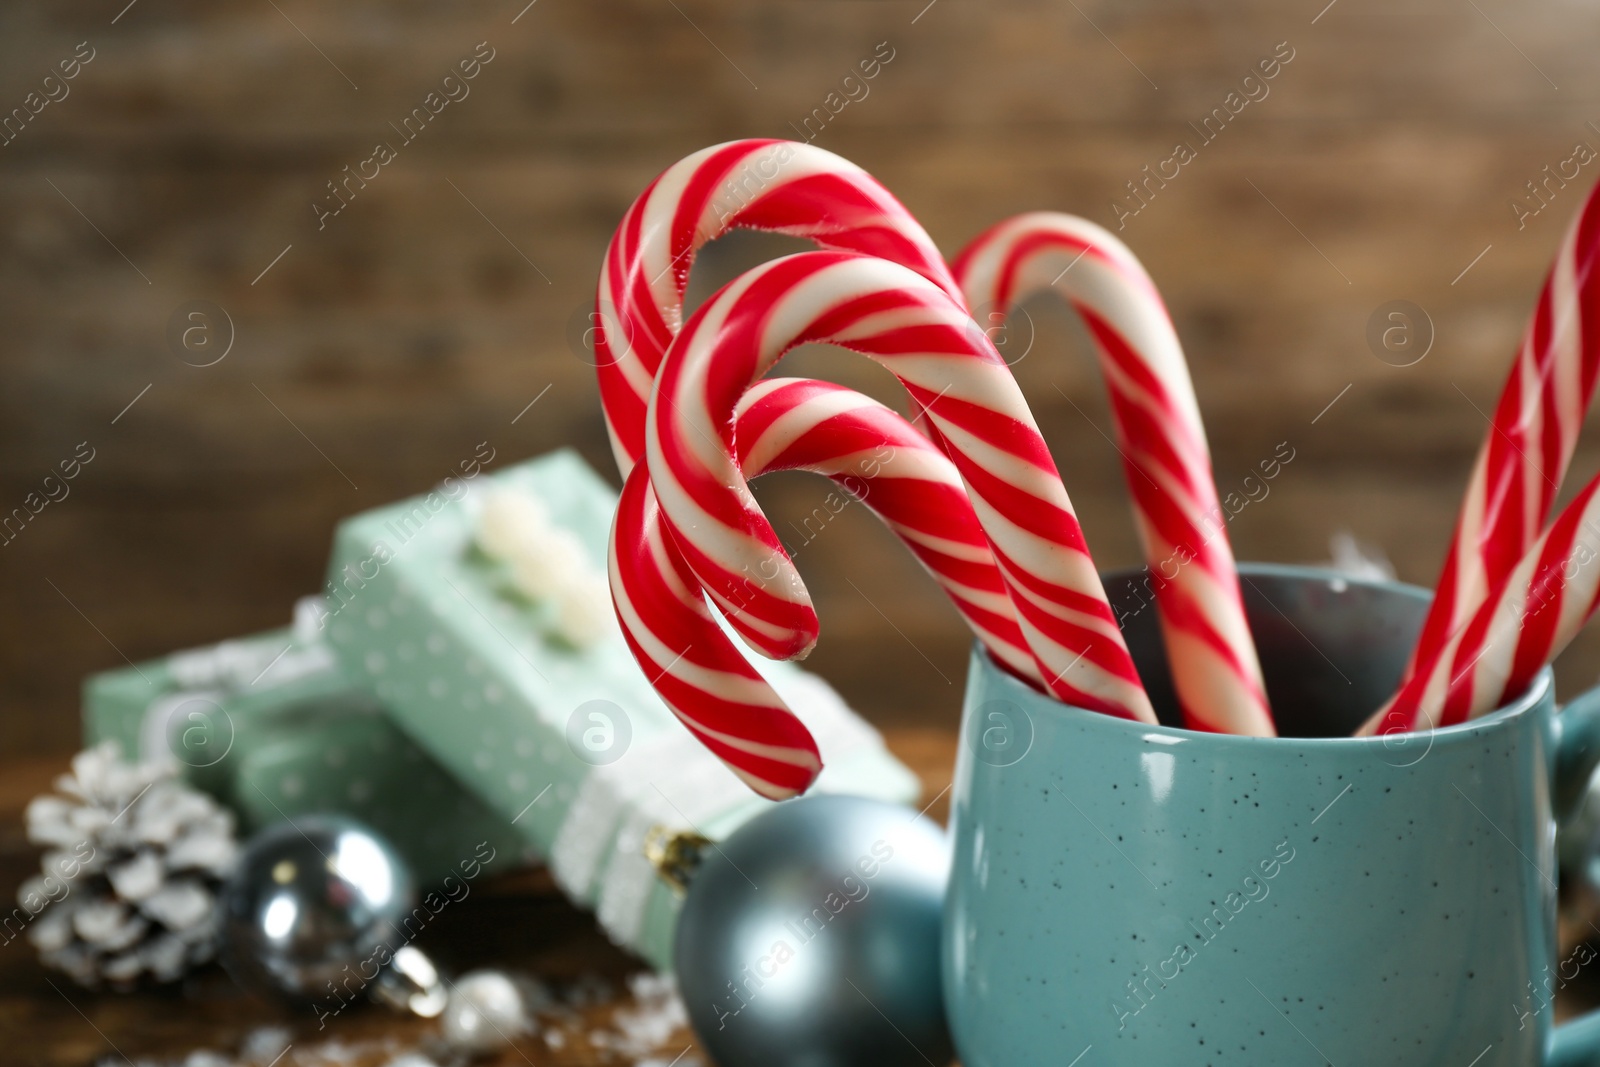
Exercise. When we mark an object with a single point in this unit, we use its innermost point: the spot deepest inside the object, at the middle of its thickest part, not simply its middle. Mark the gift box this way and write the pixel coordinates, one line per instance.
(272, 727)
(535, 703)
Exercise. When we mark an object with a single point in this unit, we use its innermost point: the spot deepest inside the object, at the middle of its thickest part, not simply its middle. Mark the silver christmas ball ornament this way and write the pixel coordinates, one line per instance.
(314, 908)
(810, 938)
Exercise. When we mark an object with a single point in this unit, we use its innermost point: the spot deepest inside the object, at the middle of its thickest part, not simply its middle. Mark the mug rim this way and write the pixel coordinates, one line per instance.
(1541, 688)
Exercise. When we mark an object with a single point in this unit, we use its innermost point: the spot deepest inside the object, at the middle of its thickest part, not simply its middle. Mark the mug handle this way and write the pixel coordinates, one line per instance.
(1577, 1043)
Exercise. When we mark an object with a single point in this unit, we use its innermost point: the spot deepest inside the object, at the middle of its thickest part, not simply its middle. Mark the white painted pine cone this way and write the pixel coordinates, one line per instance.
(133, 861)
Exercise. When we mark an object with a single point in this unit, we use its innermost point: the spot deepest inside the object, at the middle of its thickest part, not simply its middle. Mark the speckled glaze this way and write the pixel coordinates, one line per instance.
(1152, 896)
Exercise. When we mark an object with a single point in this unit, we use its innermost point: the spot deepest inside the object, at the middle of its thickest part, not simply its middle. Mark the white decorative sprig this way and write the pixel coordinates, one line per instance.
(548, 564)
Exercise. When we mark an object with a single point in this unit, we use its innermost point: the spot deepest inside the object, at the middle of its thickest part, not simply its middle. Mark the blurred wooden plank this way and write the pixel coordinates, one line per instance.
(410, 328)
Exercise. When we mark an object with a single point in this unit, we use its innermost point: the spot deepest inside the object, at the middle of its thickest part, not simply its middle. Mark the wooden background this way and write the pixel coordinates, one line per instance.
(376, 353)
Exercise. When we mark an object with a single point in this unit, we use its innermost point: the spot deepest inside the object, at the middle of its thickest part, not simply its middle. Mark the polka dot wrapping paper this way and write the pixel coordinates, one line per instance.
(459, 627)
(271, 726)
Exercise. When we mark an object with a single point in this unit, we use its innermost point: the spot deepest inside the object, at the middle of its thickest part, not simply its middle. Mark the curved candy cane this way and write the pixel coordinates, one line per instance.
(781, 186)
(963, 387)
(877, 457)
(698, 673)
(1166, 460)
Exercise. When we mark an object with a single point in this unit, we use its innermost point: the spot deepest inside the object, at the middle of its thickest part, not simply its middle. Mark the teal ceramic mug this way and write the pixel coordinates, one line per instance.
(1126, 894)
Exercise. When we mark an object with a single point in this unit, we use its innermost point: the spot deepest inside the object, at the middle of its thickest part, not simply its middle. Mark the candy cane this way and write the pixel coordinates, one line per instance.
(697, 671)
(781, 186)
(1531, 438)
(1181, 523)
(922, 335)
(873, 454)
(876, 455)
(1534, 613)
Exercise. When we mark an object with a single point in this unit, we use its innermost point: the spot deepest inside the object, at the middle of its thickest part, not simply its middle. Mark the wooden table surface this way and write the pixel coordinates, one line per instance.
(519, 922)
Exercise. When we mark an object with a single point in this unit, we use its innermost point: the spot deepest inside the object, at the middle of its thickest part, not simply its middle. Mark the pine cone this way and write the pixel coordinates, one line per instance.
(133, 862)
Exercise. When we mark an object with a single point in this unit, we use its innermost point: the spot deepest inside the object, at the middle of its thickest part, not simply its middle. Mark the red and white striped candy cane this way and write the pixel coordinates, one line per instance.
(873, 454)
(923, 336)
(1532, 615)
(697, 671)
(1531, 438)
(876, 455)
(1162, 441)
(779, 186)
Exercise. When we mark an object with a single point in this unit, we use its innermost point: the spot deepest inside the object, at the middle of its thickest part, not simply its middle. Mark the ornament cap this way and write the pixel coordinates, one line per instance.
(411, 983)
(676, 855)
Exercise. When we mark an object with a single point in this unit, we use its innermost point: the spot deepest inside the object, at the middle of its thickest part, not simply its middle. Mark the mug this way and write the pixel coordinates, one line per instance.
(1127, 894)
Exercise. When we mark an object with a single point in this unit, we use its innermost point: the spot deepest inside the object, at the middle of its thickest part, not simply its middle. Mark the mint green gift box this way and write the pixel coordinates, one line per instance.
(272, 727)
(477, 675)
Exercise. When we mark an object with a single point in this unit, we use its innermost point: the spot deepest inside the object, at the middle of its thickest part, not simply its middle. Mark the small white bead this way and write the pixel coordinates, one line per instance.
(410, 1059)
(484, 1013)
